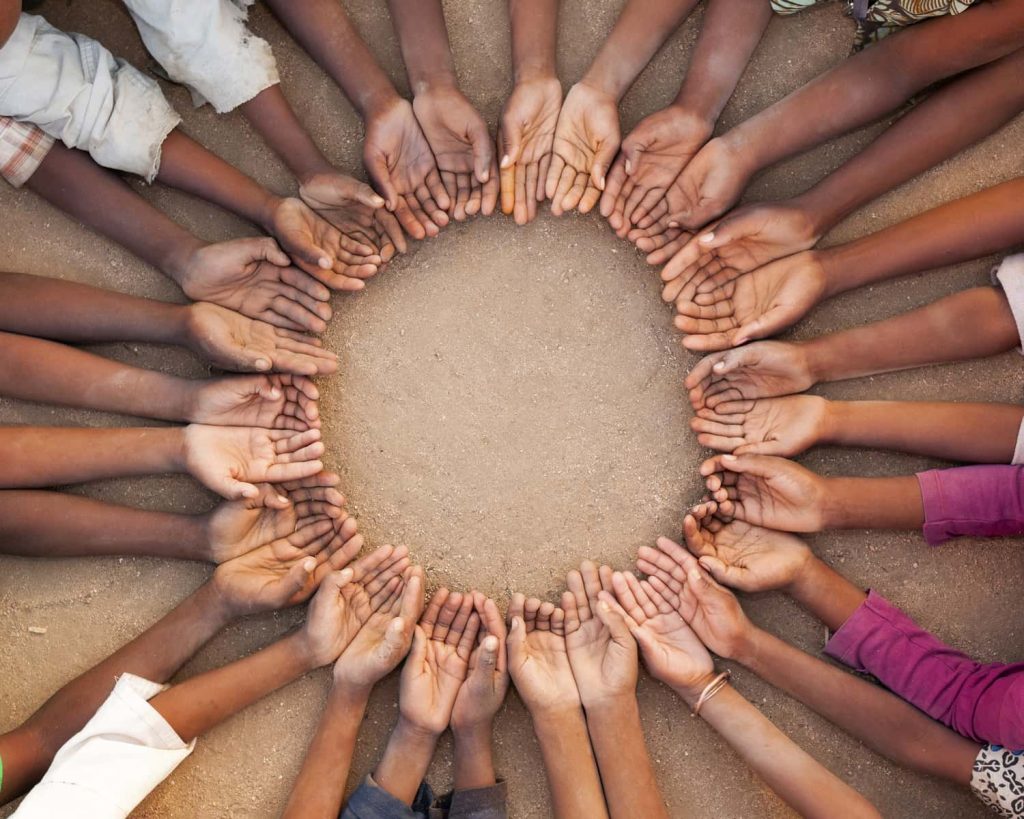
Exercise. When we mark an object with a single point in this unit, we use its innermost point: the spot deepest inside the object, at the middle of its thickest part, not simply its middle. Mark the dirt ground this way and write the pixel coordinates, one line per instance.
(509, 403)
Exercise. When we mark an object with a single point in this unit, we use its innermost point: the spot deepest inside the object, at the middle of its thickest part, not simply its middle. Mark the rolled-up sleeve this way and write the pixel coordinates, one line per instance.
(206, 46)
(75, 90)
(22, 149)
(979, 501)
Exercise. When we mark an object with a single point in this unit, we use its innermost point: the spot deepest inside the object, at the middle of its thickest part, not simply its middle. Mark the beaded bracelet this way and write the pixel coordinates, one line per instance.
(712, 688)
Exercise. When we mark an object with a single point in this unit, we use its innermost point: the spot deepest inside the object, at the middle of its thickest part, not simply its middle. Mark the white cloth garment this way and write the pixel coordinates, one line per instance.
(106, 769)
(1009, 274)
(76, 91)
(206, 46)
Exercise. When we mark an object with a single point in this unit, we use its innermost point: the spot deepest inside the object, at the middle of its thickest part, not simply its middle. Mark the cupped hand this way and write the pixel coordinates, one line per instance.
(402, 167)
(256, 278)
(745, 557)
(783, 426)
(603, 659)
(755, 305)
(586, 140)
(462, 148)
(537, 658)
(356, 210)
(486, 685)
(233, 342)
(438, 663)
(232, 460)
(525, 140)
(765, 369)
(267, 401)
(652, 156)
(767, 491)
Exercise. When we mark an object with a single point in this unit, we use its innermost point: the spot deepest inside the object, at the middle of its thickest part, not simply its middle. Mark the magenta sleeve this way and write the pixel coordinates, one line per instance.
(984, 501)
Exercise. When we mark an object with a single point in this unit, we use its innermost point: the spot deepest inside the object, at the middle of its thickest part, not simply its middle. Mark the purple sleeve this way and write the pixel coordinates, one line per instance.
(982, 701)
(986, 501)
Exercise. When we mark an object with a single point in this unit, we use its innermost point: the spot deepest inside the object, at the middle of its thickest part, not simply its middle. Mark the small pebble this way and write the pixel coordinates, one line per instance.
(37, 630)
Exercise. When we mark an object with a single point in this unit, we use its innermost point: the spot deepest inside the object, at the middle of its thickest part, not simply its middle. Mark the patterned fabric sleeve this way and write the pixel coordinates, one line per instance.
(997, 779)
(22, 148)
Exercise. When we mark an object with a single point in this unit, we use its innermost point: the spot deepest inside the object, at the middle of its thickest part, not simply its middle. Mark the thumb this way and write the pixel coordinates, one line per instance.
(296, 579)
(516, 634)
(237, 490)
(602, 162)
(267, 248)
(377, 167)
(510, 143)
(418, 652)
(489, 653)
(396, 638)
(760, 327)
(631, 151)
(483, 151)
(611, 616)
(722, 233)
(721, 571)
(367, 195)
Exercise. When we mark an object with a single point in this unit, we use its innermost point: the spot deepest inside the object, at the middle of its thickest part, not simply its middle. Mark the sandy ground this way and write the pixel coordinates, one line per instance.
(510, 403)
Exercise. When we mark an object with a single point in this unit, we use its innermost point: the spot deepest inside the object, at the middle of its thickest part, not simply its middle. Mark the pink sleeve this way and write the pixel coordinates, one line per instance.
(984, 501)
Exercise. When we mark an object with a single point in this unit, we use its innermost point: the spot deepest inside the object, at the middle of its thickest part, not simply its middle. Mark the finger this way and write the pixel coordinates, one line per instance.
(578, 589)
(433, 611)
(409, 218)
(614, 619)
(438, 192)
(555, 167)
(377, 167)
(572, 612)
(516, 607)
(616, 179)
(466, 639)
(488, 192)
(460, 623)
(491, 657)
(520, 195)
(412, 597)
(445, 617)
(643, 601)
(507, 173)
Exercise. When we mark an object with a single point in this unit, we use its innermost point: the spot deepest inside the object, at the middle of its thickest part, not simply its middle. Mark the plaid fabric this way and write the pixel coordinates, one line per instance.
(22, 148)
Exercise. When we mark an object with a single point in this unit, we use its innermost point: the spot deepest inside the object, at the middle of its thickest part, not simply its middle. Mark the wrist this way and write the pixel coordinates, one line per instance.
(266, 218)
(817, 211)
(438, 79)
(620, 703)
(604, 83)
(819, 359)
(744, 148)
(216, 607)
(833, 508)
(175, 263)
(690, 692)
(348, 696)
(476, 735)
(413, 734)
(172, 449)
(376, 101)
(534, 70)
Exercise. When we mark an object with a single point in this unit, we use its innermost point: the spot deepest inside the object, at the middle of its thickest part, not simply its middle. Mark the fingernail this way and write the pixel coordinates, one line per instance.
(515, 622)
(707, 237)
(282, 499)
(605, 607)
(377, 201)
(629, 166)
(262, 364)
(506, 160)
(729, 457)
(325, 263)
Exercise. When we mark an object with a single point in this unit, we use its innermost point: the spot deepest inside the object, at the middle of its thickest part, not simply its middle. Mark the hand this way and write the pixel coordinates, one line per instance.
(339, 261)
(652, 156)
(255, 278)
(347, 599)
(783, 426)
(267, 401)
(486, 685)
(356, 210)
(586, 140)
(525, 139)
(755, 305)
(384, 638)
(713, 612)
(236, 527)
(603, 659)
(764, 369)
(399, 161)
(537, 659)
(462, 148)
(233, 342)
(743, 240)
(286, 571)
(438, 662)
(767, 491)
(232, 460)
(672, 652)
(742, 556)
(659, 241)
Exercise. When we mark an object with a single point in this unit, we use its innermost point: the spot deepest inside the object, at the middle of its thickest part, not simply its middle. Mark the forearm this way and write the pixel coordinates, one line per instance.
(53, 456)
(534, 36)
(79, 313)
(800, 780)
(570, 765)
(474, 758)
(730, 33)
(639, 32)
(873, 503)
(977, 433)
(617, 736)
(405, 761)
(948, 121)
(423, 37)
(879, 719)
(271, 115)
(195, 706)
(977, 225)
(97, 198)
(826, 594)
(53, 524)
(323, 28)
(974, 323)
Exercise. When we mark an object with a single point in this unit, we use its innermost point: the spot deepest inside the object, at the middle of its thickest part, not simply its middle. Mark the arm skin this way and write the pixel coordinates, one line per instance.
(825, 593)
(156, 654)
(423, 36)
(406, 758)
(569, 763)
(534, 26)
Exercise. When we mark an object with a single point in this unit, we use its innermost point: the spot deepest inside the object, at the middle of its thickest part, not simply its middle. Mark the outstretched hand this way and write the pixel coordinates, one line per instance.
(487, 681)
(537, 658)
(764, 369)
(525, 141)
(267, 401)
(783, 426)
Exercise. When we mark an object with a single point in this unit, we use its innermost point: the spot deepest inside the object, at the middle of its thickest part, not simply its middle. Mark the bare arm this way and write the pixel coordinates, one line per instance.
(534, 26)
(272, 115)
(569, 764)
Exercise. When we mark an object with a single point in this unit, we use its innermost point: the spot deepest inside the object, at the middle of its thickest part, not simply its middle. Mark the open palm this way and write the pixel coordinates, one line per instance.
(267, 401)
(783, 426)
(764, 369)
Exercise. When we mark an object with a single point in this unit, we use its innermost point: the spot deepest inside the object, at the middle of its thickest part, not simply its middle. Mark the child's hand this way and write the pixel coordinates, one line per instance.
(739, 555)
(586, 140)
(672, 652)
(483, 692)
(287, 570)
(255, 278)
(764, 369)
(267, 401)
(603, 659)
(339, 261)
(783, 426)
(537, 658)
(438, 662)
(767, 491)
(652, 156)
(347, 599)
(755, 305)
(356, 210)
(462, 146)
(399, 161)
(231, 341)
(525, 138)
(712, 611)
(385, 637)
